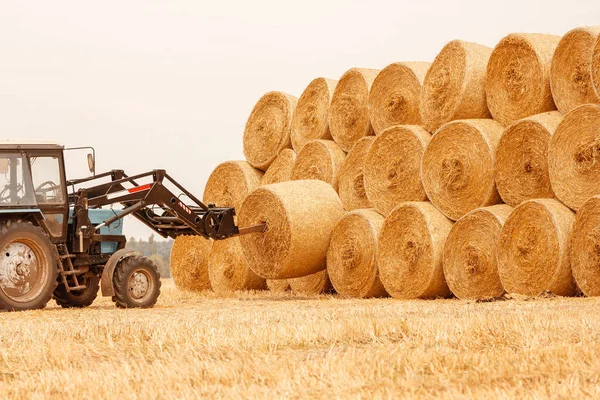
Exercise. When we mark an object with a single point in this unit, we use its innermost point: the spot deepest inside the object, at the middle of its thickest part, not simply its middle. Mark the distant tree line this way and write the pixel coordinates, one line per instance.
(159, 251)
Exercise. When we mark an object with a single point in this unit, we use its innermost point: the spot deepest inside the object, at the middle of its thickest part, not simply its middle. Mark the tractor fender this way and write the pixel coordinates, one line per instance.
(106, 282)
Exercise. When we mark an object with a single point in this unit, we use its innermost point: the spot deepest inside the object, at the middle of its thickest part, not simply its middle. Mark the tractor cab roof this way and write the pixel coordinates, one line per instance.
(29, 145)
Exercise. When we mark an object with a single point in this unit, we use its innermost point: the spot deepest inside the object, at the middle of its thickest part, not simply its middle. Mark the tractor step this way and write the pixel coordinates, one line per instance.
(79, 287)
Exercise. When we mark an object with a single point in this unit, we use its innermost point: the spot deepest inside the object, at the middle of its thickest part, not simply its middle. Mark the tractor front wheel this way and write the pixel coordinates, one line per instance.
(136, 283)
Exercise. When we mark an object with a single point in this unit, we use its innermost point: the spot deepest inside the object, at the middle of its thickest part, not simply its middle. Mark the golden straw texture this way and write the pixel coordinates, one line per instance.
(268, 129)
(470, 252)
(349, 114)
(392, 167)
(319, 159)
(522, 159)
(518, 76)
(574, 156)
(596, 66)
(228, 269)
(351, 180)
(312, 284)
(352, 255)
(533, 254)
(395, 96)
(278, 285)
(281, 169)
(230, 183)
(189, 263)
(300, 216)
(311, 118)
(410, 251)
(458, 166)
(570, 75)
(454, 87)
(585, 247)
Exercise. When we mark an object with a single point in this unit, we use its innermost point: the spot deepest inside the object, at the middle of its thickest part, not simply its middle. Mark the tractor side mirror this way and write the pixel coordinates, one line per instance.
(4, 166)
(91, 163)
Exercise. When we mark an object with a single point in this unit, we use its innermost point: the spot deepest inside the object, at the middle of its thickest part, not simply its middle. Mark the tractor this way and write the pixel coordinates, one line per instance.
(59, 240)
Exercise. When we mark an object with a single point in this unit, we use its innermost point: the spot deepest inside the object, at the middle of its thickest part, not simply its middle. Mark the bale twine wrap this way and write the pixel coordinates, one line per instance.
(319, 159)
(281, 169)
(522, 159)
(230, 183)
(278, 285)
(189, 263)
(317, 283)
(570, 74)
(351, 180)
(518, 76)
(574, 156)
(533, 254)
(300, 216)
(311, 118)
(349, 114)
(268, 128)
(458, 166)
(395, 96)
(352, 255)
(585, 247)
(470, 252)
(454, 87)
(596, 66)
(228, 269)
(392, 167)
(410, 251)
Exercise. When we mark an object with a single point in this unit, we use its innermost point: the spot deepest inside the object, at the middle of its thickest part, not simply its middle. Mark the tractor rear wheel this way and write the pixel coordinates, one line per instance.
(136, 283)
(79, 298)
(28, 267)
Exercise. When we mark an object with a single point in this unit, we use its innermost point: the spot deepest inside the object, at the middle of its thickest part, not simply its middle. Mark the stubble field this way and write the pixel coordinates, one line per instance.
(265, 345)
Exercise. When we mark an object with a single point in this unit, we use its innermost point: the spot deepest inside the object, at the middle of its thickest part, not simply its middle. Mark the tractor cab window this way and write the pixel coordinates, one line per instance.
(46, 177)
(15, 186)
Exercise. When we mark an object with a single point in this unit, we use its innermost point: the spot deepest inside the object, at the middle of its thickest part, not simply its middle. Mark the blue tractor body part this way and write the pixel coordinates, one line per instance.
(98, 216)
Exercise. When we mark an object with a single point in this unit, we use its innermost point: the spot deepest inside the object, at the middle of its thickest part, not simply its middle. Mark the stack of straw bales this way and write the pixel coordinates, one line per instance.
(476, 175)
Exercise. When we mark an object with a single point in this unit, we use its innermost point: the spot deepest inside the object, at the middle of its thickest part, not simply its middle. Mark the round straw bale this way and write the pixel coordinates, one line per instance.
(317, 283)
(518, 76)
(533, 254)
(189, 263)
(268, 129)
(349, 113)
(392, 167)
(458, 166)
(470, 251)
(351, 258)
(300, 216)
(454, 87)
(522, 159)
(228, 269)
(395, 96)
(596, 66)
(281, 169)
(351, 177)
(574, 156)
(585, 247)
(278, 285)
(311, 118)
(230, 183)
(319, 159)
(570, 74)
(410, 251)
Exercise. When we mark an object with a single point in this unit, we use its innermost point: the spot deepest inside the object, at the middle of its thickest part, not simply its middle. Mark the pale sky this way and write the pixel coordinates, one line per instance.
(169, 84)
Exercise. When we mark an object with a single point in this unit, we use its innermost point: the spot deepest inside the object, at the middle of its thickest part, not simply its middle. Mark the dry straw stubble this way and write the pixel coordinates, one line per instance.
(392, 167)
(352, 255)
(281, 169)
(230, 183)
(470, 251)
(319, 159)
(573, 156)
(585, 247)
(533, 254)
(457, 168)
(349, 113)
(518, 76)
(351, 181)
(228, 269)
(395, 96)
(268, 128)
(300, 216)
(570, 74)
(410, 251)
(454, 87)
(189, 263)
(522, 159)
(311, 117)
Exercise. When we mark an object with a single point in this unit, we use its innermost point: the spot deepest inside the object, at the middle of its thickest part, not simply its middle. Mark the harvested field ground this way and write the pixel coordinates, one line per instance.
(265, 345)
